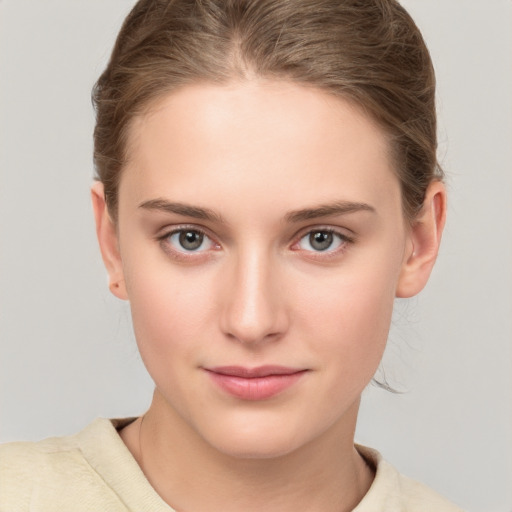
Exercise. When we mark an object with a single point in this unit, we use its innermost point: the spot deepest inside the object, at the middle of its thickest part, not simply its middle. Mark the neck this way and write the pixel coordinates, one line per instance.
(189, 474)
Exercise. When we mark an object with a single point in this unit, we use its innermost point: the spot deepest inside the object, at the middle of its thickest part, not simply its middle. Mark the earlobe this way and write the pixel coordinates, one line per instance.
(423, 243)
(108, 241)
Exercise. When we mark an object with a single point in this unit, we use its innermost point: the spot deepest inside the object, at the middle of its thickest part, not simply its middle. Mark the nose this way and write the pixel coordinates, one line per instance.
(253, 309)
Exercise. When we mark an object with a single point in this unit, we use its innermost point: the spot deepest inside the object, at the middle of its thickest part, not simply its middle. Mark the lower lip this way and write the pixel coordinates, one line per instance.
(256, 388)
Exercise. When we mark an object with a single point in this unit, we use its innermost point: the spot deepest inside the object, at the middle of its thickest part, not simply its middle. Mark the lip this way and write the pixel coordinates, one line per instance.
(258, 383)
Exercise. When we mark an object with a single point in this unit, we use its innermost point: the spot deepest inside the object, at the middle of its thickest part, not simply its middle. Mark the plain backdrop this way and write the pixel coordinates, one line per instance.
(67, 350)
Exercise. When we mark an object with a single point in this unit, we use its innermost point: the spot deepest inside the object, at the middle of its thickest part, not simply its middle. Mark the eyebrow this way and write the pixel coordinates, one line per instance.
(324, 210)
(196, 212)
(186, 210)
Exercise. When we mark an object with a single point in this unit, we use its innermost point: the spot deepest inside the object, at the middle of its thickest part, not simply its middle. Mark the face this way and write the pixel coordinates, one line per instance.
(261, 245)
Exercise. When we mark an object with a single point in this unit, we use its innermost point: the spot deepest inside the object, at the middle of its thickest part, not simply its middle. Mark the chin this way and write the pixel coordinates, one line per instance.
(255, 447)
(249, 438)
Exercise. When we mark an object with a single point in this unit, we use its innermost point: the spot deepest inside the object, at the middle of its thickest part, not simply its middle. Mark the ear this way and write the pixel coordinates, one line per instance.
(423, 244)
(108, 240)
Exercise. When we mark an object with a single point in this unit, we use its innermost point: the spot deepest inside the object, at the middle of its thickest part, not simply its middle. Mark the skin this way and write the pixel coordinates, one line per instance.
(257, 291)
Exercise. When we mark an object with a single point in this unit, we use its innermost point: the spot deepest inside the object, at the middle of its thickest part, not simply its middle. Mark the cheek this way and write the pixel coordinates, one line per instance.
(357, 326)
(170, 311)
(348, 318)
(355, 320)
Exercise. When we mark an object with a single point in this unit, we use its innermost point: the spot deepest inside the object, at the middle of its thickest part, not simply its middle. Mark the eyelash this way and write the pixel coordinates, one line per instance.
(183, 254)
(343, 242)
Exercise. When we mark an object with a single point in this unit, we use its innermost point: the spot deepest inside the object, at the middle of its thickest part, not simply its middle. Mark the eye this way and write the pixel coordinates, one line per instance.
(189, 240)
(322, 240)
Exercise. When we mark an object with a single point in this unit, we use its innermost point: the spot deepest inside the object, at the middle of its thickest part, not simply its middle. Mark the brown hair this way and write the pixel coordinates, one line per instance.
(367, 51)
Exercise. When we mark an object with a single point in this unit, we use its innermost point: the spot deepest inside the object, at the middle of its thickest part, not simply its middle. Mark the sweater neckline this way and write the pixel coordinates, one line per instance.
(107, 454)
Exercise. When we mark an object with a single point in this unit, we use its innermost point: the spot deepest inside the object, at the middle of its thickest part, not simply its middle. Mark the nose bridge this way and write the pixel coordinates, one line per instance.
(253, 311)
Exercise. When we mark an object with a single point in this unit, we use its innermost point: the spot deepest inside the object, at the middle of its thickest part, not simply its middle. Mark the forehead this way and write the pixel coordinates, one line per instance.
(255, 138)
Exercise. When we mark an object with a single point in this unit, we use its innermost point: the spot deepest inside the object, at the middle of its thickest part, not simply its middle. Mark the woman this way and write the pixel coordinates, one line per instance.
(267, 185)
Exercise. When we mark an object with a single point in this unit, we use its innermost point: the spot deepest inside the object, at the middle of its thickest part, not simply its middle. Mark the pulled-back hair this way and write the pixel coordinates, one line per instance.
(366, 51)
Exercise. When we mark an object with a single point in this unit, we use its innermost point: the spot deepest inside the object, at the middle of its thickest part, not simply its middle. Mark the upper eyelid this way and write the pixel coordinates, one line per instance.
(345, 243)
(342, 232)
(167, 231)
(184, 255)
(164, 234)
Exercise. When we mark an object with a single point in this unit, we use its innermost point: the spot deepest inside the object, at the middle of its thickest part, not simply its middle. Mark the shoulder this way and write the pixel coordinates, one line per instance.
(394, 492)
(27, 459)
(52, 472)
(420, 498)
(27, 467)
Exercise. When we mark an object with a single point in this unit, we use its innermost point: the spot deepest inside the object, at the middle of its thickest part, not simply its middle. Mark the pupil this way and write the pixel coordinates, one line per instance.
(321, 240)
(191, 240)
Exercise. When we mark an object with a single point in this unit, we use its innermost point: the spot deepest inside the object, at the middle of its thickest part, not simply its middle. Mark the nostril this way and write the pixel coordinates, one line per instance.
(253, 325)
(246, 339)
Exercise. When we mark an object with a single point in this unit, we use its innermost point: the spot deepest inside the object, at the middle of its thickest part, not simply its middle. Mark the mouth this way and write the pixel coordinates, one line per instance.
(254, 384)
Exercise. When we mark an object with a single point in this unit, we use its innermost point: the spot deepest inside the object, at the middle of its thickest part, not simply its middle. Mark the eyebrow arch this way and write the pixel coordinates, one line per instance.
(324, 210)
(186, 210)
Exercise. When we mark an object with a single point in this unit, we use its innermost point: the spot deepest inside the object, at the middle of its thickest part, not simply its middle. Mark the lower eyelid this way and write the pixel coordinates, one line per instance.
(344, 244)
(164, 240)
(344, 241)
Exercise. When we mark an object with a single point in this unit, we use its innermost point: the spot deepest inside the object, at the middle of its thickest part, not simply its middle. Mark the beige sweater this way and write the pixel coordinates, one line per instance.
(94, 471)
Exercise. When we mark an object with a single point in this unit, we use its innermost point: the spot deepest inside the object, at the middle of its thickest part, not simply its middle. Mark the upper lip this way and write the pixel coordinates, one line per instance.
(252, 373)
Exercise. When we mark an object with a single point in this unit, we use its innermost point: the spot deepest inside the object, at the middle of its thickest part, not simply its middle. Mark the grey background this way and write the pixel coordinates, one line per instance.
(67, 351)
